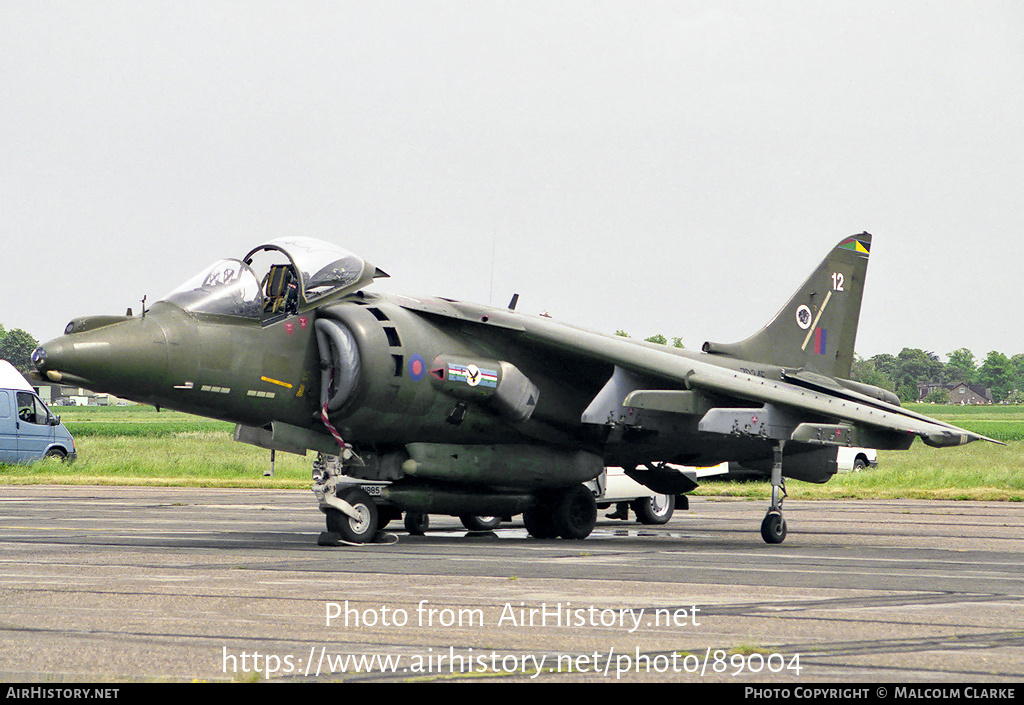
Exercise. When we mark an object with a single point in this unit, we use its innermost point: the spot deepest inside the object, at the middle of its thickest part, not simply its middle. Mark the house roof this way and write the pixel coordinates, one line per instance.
(978, 389)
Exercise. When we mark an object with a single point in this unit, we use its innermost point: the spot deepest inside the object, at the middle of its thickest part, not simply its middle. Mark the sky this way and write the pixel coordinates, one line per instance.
(674, 168)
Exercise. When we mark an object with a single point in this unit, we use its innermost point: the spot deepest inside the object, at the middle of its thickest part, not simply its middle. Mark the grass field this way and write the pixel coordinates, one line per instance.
(137, 445)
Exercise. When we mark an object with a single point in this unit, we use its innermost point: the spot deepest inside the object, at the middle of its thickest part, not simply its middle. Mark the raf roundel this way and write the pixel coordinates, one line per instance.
(417, 367)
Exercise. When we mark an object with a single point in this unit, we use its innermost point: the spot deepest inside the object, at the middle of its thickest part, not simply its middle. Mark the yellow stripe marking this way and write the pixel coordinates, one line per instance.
(288, 386)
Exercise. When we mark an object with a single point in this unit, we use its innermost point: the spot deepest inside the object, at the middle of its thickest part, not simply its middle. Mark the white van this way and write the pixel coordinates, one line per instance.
(615, 487)
(28, 430)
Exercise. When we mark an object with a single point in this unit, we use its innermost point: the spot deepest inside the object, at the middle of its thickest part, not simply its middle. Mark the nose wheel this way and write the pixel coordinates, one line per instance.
(356, 519)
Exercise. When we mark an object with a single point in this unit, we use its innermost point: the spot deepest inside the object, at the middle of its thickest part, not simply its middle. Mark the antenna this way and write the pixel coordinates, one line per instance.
(494, 244)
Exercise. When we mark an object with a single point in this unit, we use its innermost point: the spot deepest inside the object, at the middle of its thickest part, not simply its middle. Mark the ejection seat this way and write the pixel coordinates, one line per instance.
(281, 289)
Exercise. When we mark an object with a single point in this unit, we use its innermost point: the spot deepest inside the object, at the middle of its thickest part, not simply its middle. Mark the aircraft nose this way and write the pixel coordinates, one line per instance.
(50, 356)
(64, 361)
(122, 357)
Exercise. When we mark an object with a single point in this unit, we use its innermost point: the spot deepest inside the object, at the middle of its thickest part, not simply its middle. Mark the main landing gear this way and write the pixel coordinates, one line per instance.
(353, 517)
(570, 513)
(773, 528)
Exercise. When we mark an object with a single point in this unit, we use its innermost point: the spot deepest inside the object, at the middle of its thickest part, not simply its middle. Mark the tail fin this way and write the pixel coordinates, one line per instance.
(817, 328)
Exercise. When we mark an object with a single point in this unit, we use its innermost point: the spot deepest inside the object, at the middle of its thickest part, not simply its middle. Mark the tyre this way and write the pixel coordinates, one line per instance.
(478, 523)
(538, 523)
(773, 528)
(654, 510)
(417, 523)
(574, 512)
(358, 529)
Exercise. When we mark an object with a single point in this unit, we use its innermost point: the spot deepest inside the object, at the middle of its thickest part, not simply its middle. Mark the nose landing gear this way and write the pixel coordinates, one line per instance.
(357, 523)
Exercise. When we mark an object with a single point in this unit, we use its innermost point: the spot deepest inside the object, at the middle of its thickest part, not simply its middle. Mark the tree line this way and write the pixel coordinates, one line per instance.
(16, 347)
(913, 368)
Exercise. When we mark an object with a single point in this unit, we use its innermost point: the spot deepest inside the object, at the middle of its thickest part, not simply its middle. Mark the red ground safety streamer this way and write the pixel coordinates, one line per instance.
(327, 422)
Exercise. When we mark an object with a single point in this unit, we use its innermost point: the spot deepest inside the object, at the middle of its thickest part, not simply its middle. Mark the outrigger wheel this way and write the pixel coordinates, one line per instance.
(417, 523)
(773, 528)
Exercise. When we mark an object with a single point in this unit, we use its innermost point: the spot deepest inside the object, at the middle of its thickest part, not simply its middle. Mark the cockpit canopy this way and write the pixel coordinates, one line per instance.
(281, 277)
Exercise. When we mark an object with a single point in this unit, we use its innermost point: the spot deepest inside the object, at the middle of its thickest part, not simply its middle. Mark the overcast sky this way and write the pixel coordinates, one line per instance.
(658, 167)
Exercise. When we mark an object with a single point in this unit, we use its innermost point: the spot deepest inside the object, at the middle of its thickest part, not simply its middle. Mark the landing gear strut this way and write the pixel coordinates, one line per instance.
(773, 528)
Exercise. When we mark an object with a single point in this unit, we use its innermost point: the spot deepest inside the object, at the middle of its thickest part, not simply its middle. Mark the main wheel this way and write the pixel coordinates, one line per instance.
(654, 510)
(479, 523)
(416, 523)
(358, 529)
(574, 512)
(538, 522)
(773, 528)
(387, 514)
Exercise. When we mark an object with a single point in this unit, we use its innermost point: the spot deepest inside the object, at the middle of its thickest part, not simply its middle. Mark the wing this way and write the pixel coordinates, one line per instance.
(680, 372)
(810, 408)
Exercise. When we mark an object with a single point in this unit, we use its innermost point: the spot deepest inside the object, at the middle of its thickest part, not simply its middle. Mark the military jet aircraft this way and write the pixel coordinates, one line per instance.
(465, 409)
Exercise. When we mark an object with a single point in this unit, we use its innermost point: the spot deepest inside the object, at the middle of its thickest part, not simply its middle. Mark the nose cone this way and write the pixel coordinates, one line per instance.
(60, 361)
(39, 357)
(126, 358)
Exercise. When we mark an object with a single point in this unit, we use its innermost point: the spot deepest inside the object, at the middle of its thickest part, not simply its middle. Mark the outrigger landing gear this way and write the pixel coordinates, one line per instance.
(773, 528)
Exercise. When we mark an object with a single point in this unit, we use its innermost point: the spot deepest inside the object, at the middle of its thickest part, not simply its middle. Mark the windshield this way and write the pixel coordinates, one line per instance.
(228, 288)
